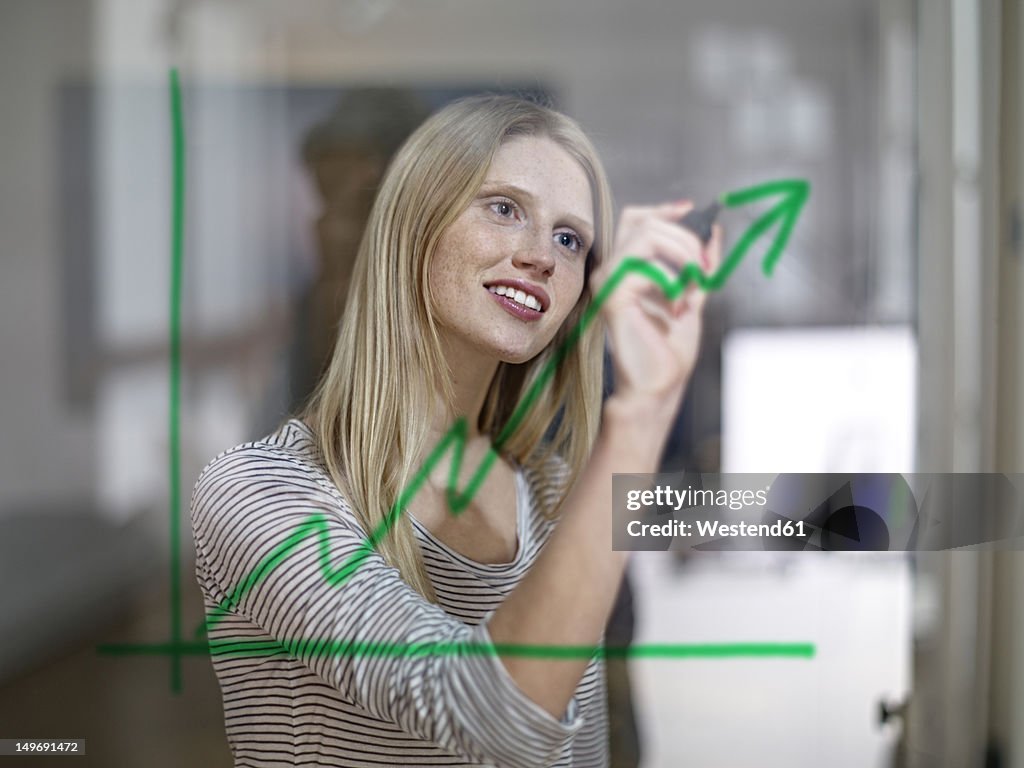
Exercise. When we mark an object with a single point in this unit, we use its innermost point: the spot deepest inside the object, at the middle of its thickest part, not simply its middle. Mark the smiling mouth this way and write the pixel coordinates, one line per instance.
(517, 296)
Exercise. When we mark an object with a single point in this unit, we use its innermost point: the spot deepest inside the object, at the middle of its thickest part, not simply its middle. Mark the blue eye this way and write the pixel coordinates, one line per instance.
(503, 208)
(570, 241)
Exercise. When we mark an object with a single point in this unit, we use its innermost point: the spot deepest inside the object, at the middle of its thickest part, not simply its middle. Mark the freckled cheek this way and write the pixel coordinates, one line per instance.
(452, 264)
(442, 284)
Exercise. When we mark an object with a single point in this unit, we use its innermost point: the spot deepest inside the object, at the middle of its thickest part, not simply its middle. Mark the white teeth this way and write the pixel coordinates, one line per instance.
(520, 297)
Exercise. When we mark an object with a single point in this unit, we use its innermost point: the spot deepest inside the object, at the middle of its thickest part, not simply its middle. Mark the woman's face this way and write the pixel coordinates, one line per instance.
(510, 268)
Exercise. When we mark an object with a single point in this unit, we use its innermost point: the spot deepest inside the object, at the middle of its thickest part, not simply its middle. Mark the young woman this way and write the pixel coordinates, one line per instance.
(491, 234)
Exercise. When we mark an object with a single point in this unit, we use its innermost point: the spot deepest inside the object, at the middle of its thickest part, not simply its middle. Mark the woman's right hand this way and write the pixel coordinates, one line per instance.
(654, 341)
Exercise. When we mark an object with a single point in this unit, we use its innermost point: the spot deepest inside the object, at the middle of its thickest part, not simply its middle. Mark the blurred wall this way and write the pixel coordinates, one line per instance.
(47, 448)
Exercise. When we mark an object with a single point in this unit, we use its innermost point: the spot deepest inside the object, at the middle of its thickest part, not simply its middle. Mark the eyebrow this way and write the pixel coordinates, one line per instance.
(489, 187)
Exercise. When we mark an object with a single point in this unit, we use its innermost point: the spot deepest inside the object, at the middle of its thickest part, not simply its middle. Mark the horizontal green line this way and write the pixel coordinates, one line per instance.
(245, 647)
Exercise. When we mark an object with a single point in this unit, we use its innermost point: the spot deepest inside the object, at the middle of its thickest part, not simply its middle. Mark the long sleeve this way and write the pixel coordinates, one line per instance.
(272, 534)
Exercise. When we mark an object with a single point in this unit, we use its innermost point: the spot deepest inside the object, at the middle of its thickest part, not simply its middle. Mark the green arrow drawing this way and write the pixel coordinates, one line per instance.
(792, 194)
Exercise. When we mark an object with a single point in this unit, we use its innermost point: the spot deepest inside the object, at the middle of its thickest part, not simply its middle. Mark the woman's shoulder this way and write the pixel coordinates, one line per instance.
(288, 449)
(283, 465)
(548, 476)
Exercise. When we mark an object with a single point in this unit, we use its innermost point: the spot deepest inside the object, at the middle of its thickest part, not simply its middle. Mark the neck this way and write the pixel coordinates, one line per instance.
(470, 390)
(471, 379)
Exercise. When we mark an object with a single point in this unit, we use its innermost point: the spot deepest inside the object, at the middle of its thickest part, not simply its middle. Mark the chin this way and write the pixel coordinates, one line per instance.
(520, 356)
(515, 359)
(516, 351)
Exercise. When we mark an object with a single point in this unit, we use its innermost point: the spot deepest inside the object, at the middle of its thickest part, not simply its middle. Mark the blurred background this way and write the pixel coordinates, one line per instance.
(889, 339)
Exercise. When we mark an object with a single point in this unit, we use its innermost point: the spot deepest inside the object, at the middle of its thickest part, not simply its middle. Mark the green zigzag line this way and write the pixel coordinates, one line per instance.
(795, 192)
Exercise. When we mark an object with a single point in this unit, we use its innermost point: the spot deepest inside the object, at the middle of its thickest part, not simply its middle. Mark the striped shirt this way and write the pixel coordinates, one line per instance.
(298, 684)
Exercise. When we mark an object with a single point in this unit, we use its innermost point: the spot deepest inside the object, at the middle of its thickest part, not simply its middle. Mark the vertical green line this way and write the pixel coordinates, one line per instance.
(177, 231)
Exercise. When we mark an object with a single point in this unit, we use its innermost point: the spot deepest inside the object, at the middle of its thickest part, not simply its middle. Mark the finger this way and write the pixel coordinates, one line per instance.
(669, 249)
(635, 219)
(692, 301)
(665, 242)
(654, 233)
(658, 312)
(633, 214)
(674, 210)
(696, 294)
(690, 248)
(662, 244)
(709, 257)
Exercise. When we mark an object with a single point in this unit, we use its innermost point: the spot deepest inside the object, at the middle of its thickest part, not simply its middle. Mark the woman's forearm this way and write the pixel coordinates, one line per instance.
(567, 596)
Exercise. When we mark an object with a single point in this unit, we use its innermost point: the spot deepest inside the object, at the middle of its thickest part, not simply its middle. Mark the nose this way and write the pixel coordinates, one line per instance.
(536, 254)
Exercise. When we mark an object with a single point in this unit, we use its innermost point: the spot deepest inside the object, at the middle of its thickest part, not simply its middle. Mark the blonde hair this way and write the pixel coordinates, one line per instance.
(374, 405)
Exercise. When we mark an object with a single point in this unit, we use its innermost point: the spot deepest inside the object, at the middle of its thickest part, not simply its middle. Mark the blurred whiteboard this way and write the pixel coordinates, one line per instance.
(772, 712)
(819, 400)
(794, 400)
